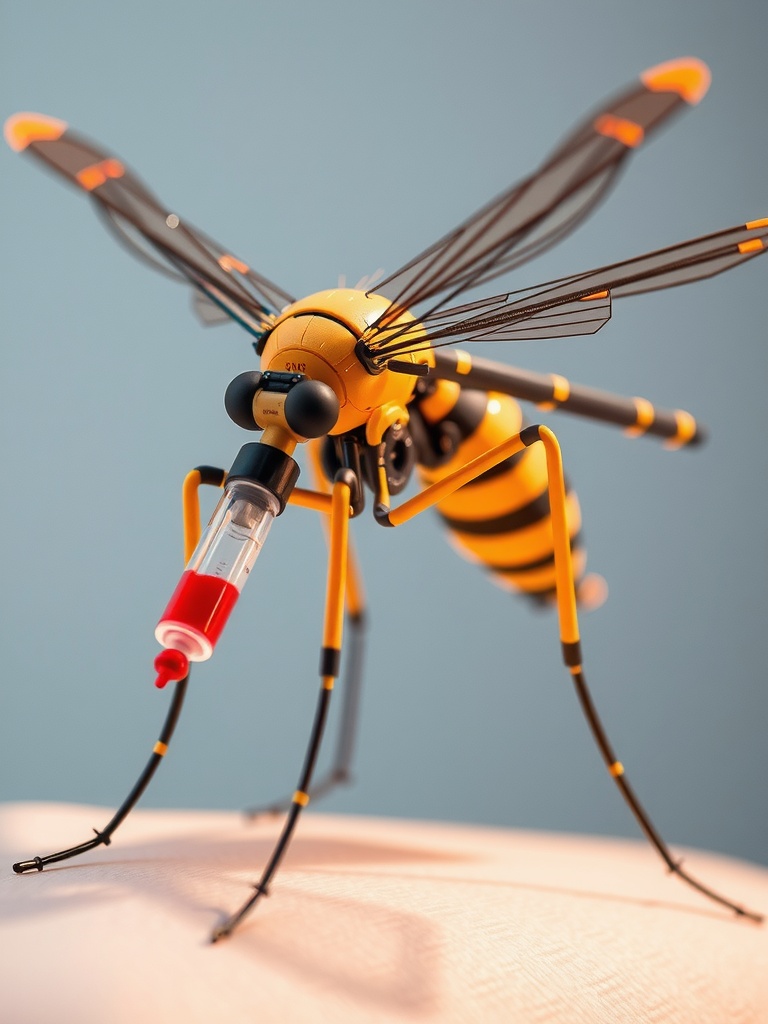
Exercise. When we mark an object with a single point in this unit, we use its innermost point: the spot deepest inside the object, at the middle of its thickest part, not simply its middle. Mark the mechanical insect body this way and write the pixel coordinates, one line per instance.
(378, 394)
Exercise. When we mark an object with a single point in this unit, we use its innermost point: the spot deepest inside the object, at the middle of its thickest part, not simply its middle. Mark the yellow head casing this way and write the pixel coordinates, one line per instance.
(317, 336)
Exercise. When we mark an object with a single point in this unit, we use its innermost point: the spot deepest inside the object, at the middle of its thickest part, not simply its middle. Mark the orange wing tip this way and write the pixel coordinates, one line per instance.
(688, 76)
(752, 224)
(22, 129)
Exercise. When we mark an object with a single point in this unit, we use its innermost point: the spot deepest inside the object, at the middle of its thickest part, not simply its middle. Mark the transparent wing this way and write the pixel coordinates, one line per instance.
(574, 305)
(147, 228)
(537, 212)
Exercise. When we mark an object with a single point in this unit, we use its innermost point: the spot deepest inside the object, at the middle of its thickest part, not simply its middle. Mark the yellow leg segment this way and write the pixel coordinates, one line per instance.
(190, 502)
(564, 573)
(564, 570)
(355, 595)
(310, 499)
(337, 573)
(350, 592)
(566, 610)
(436, 492)
(329, 661)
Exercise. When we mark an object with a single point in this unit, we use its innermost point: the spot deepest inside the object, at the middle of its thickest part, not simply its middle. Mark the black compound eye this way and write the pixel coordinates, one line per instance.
(238, 399)
(311, 408)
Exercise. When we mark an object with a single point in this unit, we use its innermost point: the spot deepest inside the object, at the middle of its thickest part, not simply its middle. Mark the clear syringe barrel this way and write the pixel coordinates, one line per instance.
(216, 573)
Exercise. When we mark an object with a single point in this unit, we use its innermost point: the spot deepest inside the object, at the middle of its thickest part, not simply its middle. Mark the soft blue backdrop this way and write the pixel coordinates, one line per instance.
(319, 139)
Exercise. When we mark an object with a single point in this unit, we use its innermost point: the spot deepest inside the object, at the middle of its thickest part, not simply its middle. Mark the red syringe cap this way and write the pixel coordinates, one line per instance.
(171, 666)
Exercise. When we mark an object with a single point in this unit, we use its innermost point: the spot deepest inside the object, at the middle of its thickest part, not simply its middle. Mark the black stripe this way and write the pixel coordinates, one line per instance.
(534, 512)
(212, 475)
(542, 598)
(466, 413)
(505, 466)
(539, 563)
(571, 653)
(330, 660)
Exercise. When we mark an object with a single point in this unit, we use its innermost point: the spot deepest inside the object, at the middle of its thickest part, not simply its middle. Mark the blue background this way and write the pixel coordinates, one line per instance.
(315, 140)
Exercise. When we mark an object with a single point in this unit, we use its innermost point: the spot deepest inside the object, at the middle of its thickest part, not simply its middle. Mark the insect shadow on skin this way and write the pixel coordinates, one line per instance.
(378, 393)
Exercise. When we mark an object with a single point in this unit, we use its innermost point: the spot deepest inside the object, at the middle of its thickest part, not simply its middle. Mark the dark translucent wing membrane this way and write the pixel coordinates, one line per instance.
(693, 260)
(517, 316)
(532, 215)
(151, 231)
(474, 251)
(131, 240)
(571, 212)
(565, 320)
(579, 304)
(72, 155)
(638, 106)
(210, 307)
(207, 311)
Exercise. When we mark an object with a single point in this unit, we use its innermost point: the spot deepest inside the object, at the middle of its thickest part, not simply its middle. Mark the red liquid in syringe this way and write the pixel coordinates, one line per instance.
(198, 609)
(201, 604)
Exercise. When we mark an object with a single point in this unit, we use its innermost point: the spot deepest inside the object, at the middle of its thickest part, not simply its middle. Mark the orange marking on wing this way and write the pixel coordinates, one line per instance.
(627, 132)
(762, 223)
(753, 245)
(594, 295)
(22, 129)
(688, 77)
(96, 174)
(230, 263)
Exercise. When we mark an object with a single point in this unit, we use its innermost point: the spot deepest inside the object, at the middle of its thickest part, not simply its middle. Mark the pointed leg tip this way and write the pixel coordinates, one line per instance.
(751, 915)
(22, 866)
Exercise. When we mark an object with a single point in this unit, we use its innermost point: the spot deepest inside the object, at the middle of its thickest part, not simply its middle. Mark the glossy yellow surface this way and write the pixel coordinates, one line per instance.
(317, 336)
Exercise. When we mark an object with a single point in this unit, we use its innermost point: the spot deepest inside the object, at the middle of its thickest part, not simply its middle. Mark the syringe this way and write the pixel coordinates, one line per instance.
(216, 573)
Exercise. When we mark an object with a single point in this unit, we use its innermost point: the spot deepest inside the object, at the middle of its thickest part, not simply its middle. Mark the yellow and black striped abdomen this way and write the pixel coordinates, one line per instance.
(501, 520)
